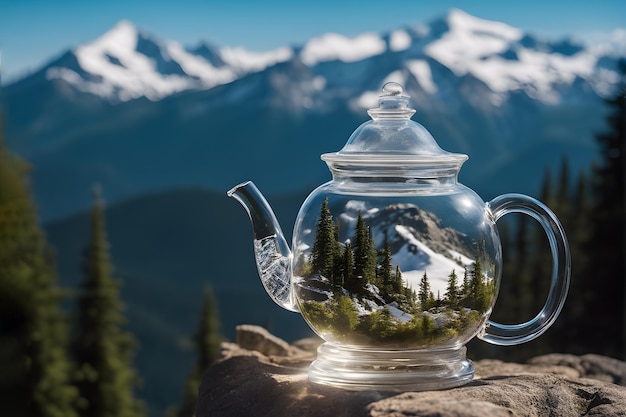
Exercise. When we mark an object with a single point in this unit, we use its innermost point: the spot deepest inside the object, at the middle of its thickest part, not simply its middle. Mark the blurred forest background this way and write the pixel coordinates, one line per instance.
(116, 309)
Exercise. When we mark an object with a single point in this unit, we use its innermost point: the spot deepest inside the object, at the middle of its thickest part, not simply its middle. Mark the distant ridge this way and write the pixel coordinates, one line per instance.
(140, 114)
(126, 63)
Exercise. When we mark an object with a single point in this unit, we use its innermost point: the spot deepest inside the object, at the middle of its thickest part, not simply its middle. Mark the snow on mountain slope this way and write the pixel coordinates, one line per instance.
(334, 46)
(415, 258)
(125, 63)
(494, 53)
(399, 40)
(254, 61)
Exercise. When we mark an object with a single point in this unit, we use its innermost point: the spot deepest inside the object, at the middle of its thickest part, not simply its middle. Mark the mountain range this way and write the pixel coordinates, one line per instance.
(138, 114)
(166, 130)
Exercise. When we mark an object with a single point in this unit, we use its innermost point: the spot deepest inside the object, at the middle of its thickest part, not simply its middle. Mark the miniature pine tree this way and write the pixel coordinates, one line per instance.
(386, 278)
(34, 369)
(103, 350)
(397, 281)
(338, 249)
(477, 288)
(452, 295)
(424, 292)
(360, 247)
(364, 256)
(324, 247)
(348, 267)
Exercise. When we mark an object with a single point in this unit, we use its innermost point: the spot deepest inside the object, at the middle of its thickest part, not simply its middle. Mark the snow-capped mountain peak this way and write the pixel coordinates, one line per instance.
(506, 59)
(464, 24)
(122, 36)
(127, 63)
(333, 46)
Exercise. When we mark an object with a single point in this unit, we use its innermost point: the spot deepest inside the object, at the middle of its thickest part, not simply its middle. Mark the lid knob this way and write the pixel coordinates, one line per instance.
(392, 89)
(392, 104)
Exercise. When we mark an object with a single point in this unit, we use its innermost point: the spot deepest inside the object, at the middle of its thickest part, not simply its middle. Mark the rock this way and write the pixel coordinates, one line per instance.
(493, 367)
(246, 382)
(257, 338)
(592, 366)
(524, 395)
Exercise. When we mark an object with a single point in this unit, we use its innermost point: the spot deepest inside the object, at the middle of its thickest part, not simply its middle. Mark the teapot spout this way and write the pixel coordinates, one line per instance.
(273, 256)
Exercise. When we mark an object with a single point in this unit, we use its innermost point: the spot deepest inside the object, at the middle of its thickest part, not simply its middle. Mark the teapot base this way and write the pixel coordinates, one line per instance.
(390, 370)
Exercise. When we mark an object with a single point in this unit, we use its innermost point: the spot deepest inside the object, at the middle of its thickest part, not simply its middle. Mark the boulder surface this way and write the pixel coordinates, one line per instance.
(260, 380)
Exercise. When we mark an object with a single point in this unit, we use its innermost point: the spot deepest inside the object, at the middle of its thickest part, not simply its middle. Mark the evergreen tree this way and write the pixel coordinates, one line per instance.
(397, 282)
(452, 292)
(608, 248)
(424, 292)
(103, 350)
(563, 201)
(34, 370)
(364, 265)
(338, 249)
(207, 344)
(386, 279)
(372, 264)
(526, 280)
(478, 294)
(466, 285)
(324, 247)
(578, 236)
(348, 267)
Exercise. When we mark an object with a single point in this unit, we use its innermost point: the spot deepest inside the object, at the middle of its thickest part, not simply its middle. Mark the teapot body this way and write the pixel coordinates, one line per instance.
(394, 263)
(386, 267)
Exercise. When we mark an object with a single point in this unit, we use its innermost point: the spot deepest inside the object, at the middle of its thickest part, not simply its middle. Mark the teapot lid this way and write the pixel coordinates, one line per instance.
(391, 138)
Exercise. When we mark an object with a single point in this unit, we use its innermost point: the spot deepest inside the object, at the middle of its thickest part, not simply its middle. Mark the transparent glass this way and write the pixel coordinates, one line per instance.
(394, 263)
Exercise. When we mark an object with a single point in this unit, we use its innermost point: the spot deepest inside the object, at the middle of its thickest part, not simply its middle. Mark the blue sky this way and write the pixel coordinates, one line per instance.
(35, 31)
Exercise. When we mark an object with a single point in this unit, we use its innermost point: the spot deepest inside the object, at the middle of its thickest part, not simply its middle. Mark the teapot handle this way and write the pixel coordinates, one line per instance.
(513, 334)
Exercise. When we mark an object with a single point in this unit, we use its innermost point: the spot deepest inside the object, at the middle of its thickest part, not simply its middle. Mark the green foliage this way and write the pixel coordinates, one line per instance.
(480, 295)
(452, 292)
(364, 257)
(592, 210)
(103, 351)
(325, 243)
(345, 317)
(386, 279)
(207, 344)
(367, 277)
(608, 231)
(424, 293)
(348, 266)
(34, 370)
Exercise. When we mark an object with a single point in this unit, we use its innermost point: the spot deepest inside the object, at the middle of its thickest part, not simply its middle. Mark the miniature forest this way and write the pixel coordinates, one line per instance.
(351, 293)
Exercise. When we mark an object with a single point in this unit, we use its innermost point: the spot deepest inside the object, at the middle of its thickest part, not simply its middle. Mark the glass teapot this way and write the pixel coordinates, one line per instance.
(394, 263)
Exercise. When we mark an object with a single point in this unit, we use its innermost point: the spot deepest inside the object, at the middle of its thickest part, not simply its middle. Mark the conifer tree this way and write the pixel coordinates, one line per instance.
(386, 279)
(477, 288)
(338, 248)
(324, 247)
(424, 292)
(540, 265)
(364, 265)
(34, 369)
(608, 249)
(466, 285)
(452, 292)
(103, 350)
(348, 267)
(526, 279)
(397, 281)
(562, 206)
(207, 342)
